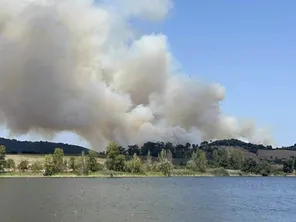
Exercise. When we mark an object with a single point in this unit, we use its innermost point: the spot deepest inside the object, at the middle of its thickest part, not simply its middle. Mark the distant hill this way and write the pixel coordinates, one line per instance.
(251, 147)
(27, 147)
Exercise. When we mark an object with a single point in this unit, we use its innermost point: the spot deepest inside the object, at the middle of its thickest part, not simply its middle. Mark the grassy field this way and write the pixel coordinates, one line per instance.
(178, 171)
(34, 158)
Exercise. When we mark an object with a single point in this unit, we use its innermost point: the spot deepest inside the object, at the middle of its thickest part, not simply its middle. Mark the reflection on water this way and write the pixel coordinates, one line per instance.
(230, 199)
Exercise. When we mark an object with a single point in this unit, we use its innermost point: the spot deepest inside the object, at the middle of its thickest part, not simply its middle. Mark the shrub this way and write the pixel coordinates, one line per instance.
(37, 167)
(134, 165)
(198, 161)
(10, 164)
(23, 165)
(164, 164)
(92, 163)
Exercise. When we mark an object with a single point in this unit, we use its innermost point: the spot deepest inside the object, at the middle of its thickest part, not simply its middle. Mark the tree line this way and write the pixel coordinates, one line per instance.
(201, 159)
(178, 151)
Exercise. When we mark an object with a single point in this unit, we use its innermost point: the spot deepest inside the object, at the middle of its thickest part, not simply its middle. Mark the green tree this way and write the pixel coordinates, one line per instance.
(198, 161)
(236, 159)
(81, 166)
(65, 165)
(223, 158)
(2, 157)
(134, 165)
(23, 165)
(37, 167)
(58, 160)
(92, 163)
(115, 161)
(164, 164)
(49, 167)
(264, 168)
(10, 164)
(288, 166)
(250, 166)
(215, 160)
(72, 164)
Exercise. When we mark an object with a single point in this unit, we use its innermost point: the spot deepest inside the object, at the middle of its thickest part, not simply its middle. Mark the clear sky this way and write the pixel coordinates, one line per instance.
(247, 46)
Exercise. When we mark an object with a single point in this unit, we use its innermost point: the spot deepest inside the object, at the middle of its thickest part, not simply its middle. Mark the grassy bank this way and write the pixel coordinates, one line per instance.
(217, 172)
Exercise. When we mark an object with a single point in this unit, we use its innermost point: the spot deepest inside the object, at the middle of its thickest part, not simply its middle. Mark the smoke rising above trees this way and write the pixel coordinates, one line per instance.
(80, 66)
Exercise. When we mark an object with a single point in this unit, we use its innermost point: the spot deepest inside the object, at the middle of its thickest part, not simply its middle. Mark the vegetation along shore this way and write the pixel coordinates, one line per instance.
(150, 160)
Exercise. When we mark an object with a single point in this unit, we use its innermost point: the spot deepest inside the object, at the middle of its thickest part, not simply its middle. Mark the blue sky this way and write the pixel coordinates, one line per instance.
(247, 46)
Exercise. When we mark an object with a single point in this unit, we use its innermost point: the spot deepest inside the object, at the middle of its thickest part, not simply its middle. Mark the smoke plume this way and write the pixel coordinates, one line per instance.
(79, 66)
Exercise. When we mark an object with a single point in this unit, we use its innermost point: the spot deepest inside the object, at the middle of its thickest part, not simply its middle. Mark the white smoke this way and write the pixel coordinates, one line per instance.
(77, 65)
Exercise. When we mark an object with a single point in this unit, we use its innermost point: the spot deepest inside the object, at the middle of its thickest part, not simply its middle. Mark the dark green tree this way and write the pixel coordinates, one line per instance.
(215, 158)
(288, 166)
(264, 168)
(250, 166)
(115, 160)
(2, 157)
(223, 158)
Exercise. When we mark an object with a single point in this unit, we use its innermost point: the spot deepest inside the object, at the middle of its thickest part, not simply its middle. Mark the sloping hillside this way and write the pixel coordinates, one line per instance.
(26, 147)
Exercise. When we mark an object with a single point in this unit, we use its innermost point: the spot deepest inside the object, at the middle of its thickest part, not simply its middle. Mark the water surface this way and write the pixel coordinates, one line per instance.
(218, 199)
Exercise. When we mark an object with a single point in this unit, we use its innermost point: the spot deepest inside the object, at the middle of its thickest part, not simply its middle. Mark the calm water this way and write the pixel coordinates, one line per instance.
(148, 199)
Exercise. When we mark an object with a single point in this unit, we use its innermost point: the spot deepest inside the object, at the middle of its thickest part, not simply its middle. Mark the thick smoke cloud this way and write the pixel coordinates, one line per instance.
(77, 65)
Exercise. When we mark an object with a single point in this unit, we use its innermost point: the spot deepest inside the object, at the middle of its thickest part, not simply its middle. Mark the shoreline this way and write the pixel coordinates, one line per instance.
(16, 176)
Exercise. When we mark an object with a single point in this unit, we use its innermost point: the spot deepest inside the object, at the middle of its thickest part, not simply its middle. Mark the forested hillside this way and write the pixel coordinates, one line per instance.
(27, 147)
(178, 151)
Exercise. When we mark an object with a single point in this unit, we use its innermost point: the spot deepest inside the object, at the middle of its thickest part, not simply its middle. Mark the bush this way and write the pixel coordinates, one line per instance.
(37, 167)
(117, 163)
(250, 166)
(264, 169)
(164, 164)
(23, 165)
(92, 163)
(198, 161)
(288, 166)
(134, 165)
(10, 164)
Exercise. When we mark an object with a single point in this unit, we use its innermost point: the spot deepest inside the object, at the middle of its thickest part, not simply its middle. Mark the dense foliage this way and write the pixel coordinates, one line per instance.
(216, 158)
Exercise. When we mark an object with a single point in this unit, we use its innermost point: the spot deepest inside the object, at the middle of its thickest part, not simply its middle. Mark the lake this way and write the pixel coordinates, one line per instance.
(186, 199)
